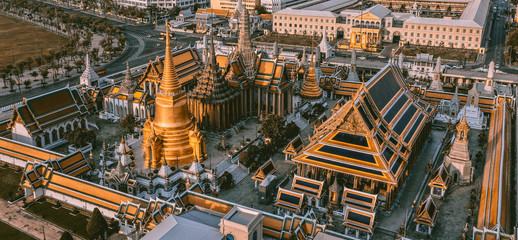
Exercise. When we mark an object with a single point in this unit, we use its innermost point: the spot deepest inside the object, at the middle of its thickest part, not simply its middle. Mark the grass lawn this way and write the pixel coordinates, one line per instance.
(9, 232)
(24, 40)
(61, 217)
(10, 180)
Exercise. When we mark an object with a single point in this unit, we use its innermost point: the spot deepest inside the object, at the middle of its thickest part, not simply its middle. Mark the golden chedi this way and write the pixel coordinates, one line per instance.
(311, 90)
(171, 136)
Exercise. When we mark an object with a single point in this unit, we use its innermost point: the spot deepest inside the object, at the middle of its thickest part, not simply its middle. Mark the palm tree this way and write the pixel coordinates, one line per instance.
(34, 74)
(44, 72)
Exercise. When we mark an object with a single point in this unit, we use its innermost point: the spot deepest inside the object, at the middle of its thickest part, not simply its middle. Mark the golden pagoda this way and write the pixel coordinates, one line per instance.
(213, 102)
(311, 89)
(168, 136)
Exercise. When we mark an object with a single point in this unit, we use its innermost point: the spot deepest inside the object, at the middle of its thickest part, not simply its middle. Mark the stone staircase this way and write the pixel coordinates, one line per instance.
(238, 172)
(301, 122)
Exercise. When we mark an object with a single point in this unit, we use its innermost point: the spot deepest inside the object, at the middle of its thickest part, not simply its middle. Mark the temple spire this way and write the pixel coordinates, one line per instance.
(489, 87)
(311, 89)
(244, 44)
(212, 50)
(169, 84)
(275, 51)
(127, 85)
(436, 82)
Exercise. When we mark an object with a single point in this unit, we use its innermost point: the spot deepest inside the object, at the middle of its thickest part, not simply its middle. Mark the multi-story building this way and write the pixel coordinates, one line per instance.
(367, 28)
(305, 22)
(233, 4)
(162, 3)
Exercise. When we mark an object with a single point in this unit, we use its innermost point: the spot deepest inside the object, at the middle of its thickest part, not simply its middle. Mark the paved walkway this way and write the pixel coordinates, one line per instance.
(28, 223)
(413, 184)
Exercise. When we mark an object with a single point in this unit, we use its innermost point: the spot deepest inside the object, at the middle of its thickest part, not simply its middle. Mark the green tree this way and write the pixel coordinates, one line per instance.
(195, 7)
(260, 9)
(97, 224)
(272, 127)
(129, 123)
(79, 137)
(44, 73)
(66, 236)
(27, 84)
(292, 130)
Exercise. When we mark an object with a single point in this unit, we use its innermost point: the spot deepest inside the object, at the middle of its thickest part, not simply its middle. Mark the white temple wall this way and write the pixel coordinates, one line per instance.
(13, 161)
(78, 203)
(20, 134)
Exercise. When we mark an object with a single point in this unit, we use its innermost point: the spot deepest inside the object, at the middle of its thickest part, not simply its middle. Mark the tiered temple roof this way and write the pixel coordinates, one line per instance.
(494, 220)
(266, 169)
(441, 178)
(307, 186)
(5, 130)
(427, 213)
(213, 102)
(373, 135)
(290, 200)
(187, 64)
(46, 110)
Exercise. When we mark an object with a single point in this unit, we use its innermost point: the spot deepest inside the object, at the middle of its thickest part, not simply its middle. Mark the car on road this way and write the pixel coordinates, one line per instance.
(362, 58)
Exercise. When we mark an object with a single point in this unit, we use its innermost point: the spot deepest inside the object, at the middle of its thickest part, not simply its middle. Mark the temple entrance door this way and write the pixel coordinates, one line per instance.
(455, 177)
(396, 37)
(340, 33)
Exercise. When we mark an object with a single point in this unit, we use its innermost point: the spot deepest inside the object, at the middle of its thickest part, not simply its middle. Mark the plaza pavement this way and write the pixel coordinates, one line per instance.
(28, 223)
(412, 186)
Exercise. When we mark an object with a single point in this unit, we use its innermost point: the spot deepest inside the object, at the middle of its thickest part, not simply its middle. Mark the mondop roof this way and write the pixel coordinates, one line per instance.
(372, 135)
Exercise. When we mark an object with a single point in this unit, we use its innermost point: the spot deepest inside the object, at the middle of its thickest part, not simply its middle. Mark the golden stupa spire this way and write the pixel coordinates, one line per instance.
(311, 89)
(169, 83)
(463, 129)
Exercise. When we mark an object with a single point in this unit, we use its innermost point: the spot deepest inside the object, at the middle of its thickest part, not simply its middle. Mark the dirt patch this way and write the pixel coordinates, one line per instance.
(446, 53)
(22, 40)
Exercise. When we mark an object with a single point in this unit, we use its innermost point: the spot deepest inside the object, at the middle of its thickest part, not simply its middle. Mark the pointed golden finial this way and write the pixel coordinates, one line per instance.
(123, 141)
(169, 83)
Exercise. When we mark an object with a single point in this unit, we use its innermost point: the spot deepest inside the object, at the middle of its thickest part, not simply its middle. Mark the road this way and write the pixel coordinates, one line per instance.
(496, 46)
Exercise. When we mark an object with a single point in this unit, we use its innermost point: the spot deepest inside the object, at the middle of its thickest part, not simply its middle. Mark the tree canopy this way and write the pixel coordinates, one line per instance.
(97, 224)
(66, 236)
(79, 137)
(273, 127)
(129, 123)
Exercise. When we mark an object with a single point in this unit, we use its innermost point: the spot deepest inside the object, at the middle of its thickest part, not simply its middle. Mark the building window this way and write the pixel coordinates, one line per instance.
(471, 31)
(332, 28)
(411, 34)
(254, 236)
(476, 39)
(229, 237)
(456, 30)
(443, 37)
(412, 26)
(456, 37)
(451, 29)
(469, 39)
(436, 35)
(449, 37)
(419, 27)
(464, 30)
(405, 34)
(478, 31)
(418, 35)
(431, 28)
(463, 38)
(424, 27)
